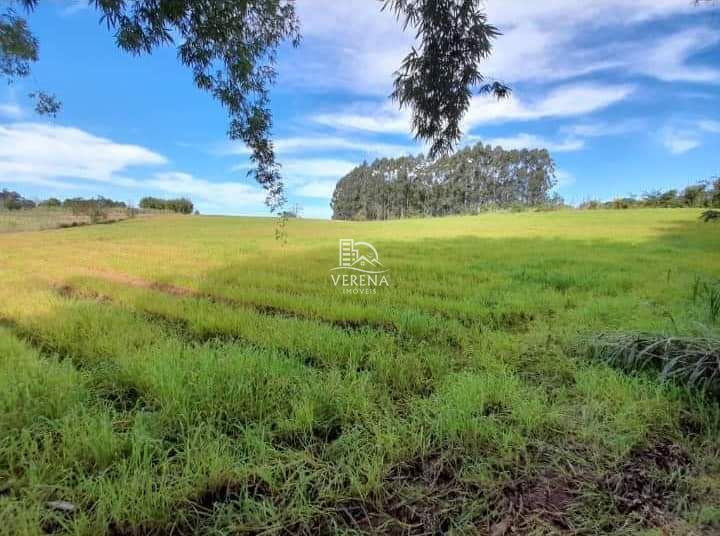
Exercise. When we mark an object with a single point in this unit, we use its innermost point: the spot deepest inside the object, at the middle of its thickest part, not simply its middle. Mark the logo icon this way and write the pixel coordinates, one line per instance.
(359, 256)
(363, 271)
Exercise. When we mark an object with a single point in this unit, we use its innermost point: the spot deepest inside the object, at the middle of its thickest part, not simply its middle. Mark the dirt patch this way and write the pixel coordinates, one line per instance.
(133, 281)
(647, 483)
(423, 496)
(527, 502)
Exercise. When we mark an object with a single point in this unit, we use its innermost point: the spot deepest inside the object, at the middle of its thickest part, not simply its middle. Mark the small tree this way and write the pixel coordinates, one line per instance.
(52, 202)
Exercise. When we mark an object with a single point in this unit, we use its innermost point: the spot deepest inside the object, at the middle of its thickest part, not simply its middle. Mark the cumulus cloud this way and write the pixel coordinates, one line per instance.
(541, 42)
(39, 151)
(359, 57)
(563, 101)
(679, 137)
(679, 141)
(66, 158)
(376, 117)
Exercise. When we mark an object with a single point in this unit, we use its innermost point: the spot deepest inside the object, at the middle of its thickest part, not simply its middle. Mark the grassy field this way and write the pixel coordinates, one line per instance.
(194, 376)
(41, 218)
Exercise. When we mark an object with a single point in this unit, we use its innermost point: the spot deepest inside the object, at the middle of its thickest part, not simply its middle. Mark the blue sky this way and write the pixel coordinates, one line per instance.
(625, 94)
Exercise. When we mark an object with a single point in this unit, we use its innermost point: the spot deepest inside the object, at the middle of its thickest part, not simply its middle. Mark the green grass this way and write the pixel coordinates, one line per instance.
(194, 376)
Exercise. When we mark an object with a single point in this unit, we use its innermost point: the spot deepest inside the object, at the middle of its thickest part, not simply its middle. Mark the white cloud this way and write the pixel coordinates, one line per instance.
(542, 42)
(38, 151)
(531, 141)
(708, 125)
(668, 58)
(227, 195)
(550, 41)
(319, 189)
(313, 173)
(604, 128)
(683, 136)
(679, 141)
(321, 143)
(349, 44)
(10, 110)
(368, 117)
(52, 156)
(563, 101)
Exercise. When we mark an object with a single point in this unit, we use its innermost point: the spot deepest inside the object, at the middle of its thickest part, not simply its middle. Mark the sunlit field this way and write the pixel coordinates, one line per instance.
(193, 375)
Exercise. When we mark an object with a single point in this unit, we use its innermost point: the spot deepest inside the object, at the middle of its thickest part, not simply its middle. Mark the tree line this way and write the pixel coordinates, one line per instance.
(704, 194)
(11, 200)
(181, 205)
(471, 180)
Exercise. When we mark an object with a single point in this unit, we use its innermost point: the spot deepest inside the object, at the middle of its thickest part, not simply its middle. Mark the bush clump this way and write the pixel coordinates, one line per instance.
(181, 205)
(690, 361)
(710, 215)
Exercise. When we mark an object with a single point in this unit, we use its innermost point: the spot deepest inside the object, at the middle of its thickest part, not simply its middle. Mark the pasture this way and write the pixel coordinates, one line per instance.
(192, 375)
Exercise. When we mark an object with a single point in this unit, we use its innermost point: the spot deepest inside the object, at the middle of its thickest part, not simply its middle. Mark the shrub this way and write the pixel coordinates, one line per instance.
(53, 202)
(181, 205)
(14, 201)
(693, 361)
(710, 215)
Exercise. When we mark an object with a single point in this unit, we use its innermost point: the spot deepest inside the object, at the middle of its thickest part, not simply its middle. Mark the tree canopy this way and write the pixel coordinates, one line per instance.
(231, 45)
(471, 180)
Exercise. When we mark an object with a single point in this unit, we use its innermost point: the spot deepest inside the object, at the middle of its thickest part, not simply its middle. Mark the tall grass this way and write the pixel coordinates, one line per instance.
(194, 376)
(692, 361)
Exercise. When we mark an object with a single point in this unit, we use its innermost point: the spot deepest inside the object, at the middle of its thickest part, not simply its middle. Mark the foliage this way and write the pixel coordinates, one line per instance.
(703, 194)
(18, 47)
(14, 201)
(693, 361)
(437, 78)
(182, 205)
(52, 202)
(95, 209)
(473, 179)
(708, 291)
(46, 104)
(710, 215)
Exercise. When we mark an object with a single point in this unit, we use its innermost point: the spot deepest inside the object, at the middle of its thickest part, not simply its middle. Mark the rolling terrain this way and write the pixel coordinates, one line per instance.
(192, 375)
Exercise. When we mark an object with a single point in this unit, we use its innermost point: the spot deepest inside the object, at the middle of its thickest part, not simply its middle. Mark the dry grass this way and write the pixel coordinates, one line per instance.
(42, 218)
